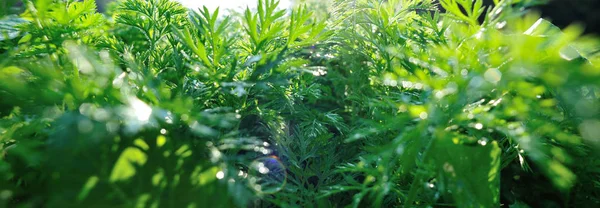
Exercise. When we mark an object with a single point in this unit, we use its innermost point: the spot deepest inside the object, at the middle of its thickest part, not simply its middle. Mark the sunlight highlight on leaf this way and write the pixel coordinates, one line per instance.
(126, 165)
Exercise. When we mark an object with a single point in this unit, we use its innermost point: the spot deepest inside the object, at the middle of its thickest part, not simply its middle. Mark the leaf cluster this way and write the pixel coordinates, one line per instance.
(346, 103)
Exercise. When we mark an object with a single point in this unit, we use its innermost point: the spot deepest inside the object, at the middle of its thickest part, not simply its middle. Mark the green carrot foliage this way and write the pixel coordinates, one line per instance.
(349, 103)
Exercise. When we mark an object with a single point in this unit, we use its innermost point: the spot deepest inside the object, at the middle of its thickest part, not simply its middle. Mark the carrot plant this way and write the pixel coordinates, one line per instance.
(350, 103)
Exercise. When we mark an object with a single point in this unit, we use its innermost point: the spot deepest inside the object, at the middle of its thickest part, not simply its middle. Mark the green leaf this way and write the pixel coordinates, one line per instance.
(9, 27)
(87, 187)
(208, 176)
(542, 28)
(471, 173)
(126, 165)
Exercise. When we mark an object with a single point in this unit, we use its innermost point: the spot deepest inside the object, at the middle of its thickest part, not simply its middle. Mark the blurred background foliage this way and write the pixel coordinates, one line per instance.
(329, 104)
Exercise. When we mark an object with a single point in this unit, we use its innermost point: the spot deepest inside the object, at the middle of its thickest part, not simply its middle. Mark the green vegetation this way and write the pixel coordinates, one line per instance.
(365, 103)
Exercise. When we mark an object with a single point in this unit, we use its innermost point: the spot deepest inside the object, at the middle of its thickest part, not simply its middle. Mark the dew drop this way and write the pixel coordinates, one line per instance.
(423, 115)
(478, 126)
(85, 126)
(263, 170)
(220, 175)
(493, 75)
(482, 141)
(267, 175)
